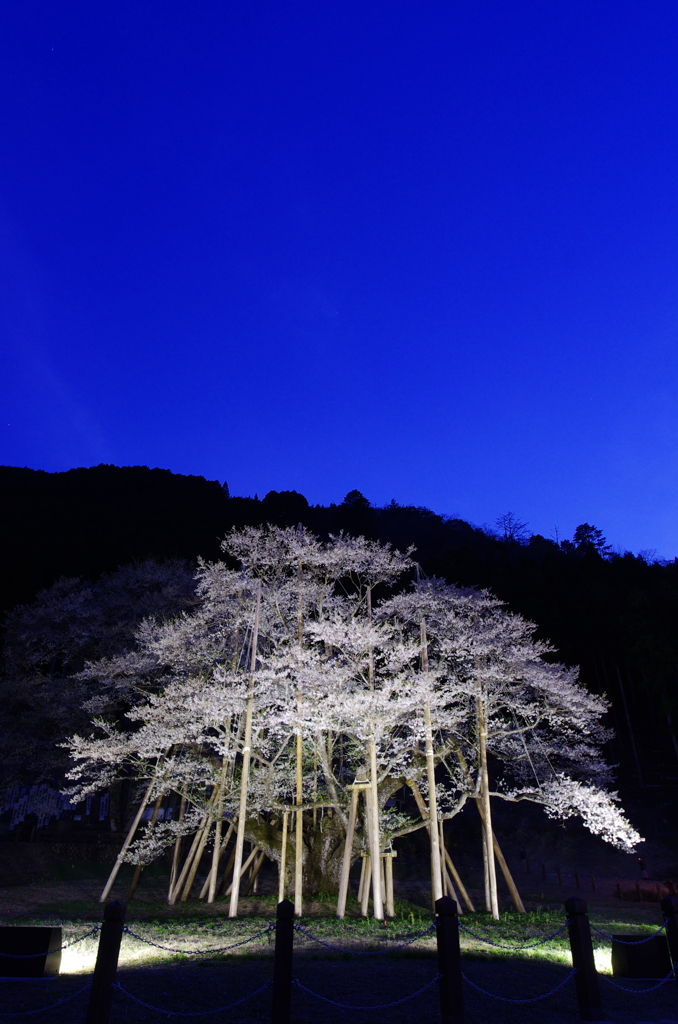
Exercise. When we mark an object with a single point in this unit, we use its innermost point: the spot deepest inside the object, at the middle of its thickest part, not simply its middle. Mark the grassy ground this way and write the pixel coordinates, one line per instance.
(194, 980)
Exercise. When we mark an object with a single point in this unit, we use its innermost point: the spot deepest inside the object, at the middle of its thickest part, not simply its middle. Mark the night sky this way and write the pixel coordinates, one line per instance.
(425, 250)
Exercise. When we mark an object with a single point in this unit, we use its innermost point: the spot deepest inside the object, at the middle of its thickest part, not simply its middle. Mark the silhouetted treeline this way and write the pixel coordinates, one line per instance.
(616, 616)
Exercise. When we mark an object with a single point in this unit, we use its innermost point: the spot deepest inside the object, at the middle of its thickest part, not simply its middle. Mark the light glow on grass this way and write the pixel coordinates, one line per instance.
(603, 960)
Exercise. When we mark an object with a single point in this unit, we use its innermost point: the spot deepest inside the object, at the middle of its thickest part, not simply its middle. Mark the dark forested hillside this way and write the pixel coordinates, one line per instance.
(616, 616)
(88, 521)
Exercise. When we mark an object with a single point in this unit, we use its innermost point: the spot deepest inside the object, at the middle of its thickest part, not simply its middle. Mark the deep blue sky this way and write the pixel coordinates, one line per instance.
(428, 250)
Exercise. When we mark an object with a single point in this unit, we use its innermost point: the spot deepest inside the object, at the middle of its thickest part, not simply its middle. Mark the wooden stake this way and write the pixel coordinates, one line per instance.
(283, 856)
(244, 780)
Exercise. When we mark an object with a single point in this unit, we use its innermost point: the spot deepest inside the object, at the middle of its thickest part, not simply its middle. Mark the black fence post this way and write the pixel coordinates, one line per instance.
(282, 966)
(449, 962)
(106, 967)
(669, 907)
(586, 978)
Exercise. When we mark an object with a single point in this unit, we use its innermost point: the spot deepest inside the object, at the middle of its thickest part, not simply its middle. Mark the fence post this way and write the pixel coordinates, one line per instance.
(282, 966)
(449, 962)
(106, 967)
(586, 978)
(669, 907)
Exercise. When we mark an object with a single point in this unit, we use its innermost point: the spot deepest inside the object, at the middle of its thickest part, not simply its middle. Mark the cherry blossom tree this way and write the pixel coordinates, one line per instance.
(289, 682)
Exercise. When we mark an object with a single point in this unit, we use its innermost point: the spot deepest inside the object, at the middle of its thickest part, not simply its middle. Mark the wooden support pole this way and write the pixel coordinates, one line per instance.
(348, 849)
(449, 962)
(106, 967)
(139, 868)
(227, 871)
(434, 837)
(213, 875)
(282, 964)
(256, 868)
(299, 768)
(501, 860)
(458, 882)
(174, 894)
(245, 769)
(423, 810)
(253, 852)
(217, 849)
(390, 898)
(362, 877)
(125, 846)
(491, 894)
(196, 862)
(586, 978)
(177, 849)
(283, 859)
(367, 878)
(187, 864)
(447, 881)
(372, 808)
(299, 854)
